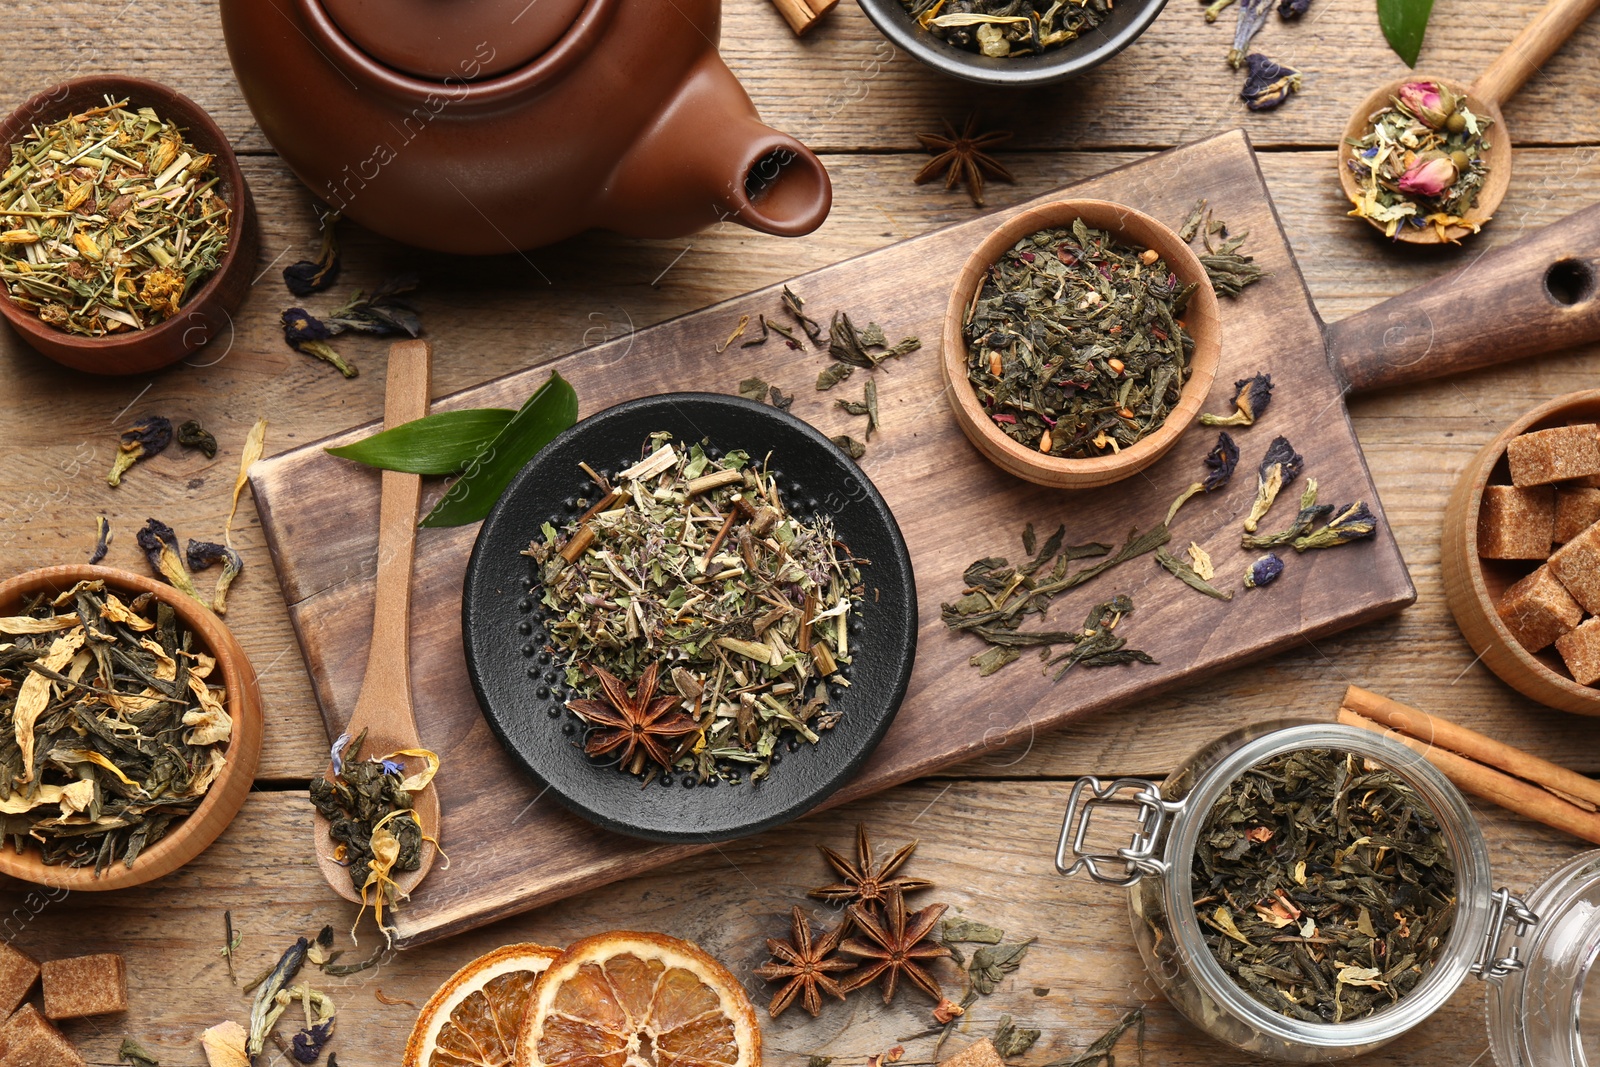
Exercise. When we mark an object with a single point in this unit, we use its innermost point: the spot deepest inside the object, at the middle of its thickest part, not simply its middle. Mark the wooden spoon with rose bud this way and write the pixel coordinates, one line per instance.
(1538, 41)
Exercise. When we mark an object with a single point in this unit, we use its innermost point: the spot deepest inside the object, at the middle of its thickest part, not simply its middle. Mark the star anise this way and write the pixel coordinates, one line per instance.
(863, 882)
(637, 725)
(962, 157)
(806, 965)
(897, 945)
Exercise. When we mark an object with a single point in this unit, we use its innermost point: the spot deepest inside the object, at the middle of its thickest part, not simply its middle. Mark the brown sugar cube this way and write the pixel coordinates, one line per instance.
(978, 1054)
(84, 985)
(1554, 455)
(1577, 565)
(18, 972)
(1516, 523)
(1538, 609)
(1580, 650)
(27, 1040)
(1576, 509)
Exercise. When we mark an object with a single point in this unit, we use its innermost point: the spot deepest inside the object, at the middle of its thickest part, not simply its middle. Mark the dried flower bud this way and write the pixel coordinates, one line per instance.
(1045, 442)
(1267, 84)
(1250, 399)
(1263, 571)
(1429, 177)
(1149, 256)
(946, 1010)
(1430, 102)
(1353, 523)
(1280, 466)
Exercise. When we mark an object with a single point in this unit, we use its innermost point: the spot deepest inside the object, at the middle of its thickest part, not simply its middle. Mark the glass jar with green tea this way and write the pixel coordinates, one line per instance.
(1308, 892)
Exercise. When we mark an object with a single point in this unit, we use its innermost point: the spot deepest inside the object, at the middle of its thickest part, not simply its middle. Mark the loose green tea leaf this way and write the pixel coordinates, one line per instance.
(1186, 574)
(135, 1054)
(1324, 885)
(855, 449)
(441, 443)
(1010, 1040)
(109, 220)
(754, 389)
(192, 435)
(1099, 1054)
(1404, 22)
(1097, 644)
(110, 729)
(992, 963)
(551, 409)
(970, 931)
(1003, 29)
(832, 375)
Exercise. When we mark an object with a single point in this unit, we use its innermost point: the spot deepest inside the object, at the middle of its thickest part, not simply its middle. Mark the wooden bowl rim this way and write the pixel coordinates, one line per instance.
(202, 131)
(1483, 464)
(1499, 158)
(1203, 314)
(222, 800)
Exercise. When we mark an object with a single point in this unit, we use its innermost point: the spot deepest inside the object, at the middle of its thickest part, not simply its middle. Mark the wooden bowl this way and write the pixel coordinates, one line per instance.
(1497, 158)
(1130, 227)
(208, 313)
(188, 838)
(1473, 585)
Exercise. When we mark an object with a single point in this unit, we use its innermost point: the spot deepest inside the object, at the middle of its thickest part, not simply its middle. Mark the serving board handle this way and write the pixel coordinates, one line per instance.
(1536, 295)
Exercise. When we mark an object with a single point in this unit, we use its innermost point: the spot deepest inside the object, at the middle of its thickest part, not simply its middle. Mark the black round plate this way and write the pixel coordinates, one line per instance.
(521, 686)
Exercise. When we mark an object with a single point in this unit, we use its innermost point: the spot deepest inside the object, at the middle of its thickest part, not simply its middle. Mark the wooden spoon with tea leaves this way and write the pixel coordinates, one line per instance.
(1538, 41)
(384, 708)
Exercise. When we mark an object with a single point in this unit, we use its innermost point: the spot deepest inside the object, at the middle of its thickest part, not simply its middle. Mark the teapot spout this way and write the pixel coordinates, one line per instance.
(708, 158)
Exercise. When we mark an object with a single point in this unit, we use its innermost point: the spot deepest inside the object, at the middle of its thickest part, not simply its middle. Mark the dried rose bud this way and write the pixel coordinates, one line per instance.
(947, 1010)
(1430, 102)
(1429, 177)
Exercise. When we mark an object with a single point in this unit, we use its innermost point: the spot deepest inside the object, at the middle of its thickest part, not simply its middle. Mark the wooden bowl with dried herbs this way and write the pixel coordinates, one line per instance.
(130, 726)
(127, 232)
(1080, 341)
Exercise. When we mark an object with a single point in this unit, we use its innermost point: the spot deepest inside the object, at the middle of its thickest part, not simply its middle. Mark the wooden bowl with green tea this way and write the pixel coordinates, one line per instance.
(175, 250)
(198, 775)
(1080, 341)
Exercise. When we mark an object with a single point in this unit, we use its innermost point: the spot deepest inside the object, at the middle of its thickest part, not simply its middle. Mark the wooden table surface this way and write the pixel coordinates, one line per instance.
(987, 828)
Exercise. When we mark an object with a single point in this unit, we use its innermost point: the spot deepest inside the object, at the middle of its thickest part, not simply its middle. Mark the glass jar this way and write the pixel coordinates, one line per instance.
(1157, 867)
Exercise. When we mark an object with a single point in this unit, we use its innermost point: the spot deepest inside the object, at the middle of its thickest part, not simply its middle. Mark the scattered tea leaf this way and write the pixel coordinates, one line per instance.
(192, 435)
(1010, 1040)
(855, 449)
(832, 375)
(972, 931)
(1187, 574)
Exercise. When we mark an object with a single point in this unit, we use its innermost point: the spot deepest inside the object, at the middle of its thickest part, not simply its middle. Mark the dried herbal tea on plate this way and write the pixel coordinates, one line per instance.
(1324, 885)
(109, 220)
(697, 615)
(1075, 343)
(109, 729)
(1421, 162)
(1008, 27)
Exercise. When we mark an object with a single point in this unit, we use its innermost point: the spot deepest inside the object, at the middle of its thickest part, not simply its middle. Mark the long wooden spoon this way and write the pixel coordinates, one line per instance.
(384, 707)
(1538, 41)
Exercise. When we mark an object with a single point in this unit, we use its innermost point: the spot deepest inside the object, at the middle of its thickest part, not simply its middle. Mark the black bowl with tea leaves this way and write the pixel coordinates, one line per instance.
(691, 616)
(1012, 42)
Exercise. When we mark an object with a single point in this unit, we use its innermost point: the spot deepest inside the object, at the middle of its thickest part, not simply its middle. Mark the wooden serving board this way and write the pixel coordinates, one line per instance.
(511, 848)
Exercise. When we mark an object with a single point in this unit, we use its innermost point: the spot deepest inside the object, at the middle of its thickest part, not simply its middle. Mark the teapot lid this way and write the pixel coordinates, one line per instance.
(462, 40)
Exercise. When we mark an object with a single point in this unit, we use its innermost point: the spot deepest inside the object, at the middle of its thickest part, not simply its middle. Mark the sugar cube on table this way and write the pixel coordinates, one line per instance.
(84, 985)
(26, 1040)
(1576, 509)
(1538, 609)
(978, 1054)
(1554, 455)
(1580, 650)
(1516, 522)
(1577, 565)
(18, 972)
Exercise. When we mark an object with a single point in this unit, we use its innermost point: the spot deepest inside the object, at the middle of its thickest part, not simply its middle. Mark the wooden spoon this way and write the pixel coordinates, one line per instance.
(1538, 41)
(384, 707)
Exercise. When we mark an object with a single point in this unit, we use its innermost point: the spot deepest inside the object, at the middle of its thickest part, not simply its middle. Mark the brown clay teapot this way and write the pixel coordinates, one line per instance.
(489, 126)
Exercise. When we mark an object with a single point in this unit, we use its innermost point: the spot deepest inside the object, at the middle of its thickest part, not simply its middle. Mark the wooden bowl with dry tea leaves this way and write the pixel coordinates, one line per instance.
(75, 694)
(161, 268)
(1476, 584)
(1098, 379)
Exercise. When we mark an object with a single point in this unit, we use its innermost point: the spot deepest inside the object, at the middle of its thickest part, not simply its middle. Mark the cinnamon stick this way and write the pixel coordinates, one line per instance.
(1472, 745)
(801, 15)
(1531, 796)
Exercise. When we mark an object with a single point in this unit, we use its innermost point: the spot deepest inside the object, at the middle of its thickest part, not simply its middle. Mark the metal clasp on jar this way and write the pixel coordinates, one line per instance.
(1509, 911)
(1141, 856)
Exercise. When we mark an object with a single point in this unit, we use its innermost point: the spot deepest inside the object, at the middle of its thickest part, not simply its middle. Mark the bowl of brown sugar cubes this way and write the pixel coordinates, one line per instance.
(1521, 554)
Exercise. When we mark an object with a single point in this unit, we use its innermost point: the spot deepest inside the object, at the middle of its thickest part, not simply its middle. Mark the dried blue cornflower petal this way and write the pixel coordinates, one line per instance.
(1268, 84)
(148, 437)
(308, 1043)
(314, 275)
(1221, 461)
(1310, 514)
(1279, 467)
(202, 554)
(1250, 399)
(102, 540)
(1353, 523)
(161, 551)
(1252, 16)
(1263, 571)
(304, 332)
(1289, 10)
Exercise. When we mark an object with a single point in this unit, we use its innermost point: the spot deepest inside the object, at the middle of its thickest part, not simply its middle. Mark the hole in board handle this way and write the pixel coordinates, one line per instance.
(1569, 282)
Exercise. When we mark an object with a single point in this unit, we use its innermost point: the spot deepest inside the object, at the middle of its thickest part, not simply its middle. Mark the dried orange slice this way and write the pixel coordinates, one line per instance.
(475, 1017)
(638, 1000)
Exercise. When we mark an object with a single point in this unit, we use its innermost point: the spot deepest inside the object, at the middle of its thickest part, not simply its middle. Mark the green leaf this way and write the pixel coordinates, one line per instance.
(1404, 22)
(549, 411)
(434, 444)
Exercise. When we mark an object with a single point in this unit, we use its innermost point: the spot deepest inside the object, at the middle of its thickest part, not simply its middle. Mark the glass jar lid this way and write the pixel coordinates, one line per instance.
(1543, 1013)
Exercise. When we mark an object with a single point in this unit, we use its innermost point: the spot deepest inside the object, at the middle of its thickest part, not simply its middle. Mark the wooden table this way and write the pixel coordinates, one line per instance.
(987, 828)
